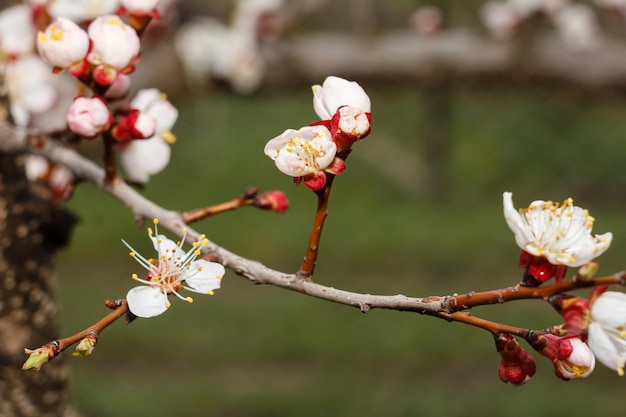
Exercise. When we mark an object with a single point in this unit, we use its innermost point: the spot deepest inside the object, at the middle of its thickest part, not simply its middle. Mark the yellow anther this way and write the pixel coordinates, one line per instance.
(41, 37)
(195, 244)
(580, 370)
(168, 304)
(205, 242)
(199, 268)
(115, 22)
(202, 236)
(219, 276)
(197, 252)
(135, 276)
(132, 254)
(189, 300)
(209, 292)
(150, 231)
(155, 221)
(56, 34)
(168, 137)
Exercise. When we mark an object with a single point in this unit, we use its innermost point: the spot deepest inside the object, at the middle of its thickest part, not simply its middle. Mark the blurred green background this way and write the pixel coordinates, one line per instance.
(404, 218)
(262, 351)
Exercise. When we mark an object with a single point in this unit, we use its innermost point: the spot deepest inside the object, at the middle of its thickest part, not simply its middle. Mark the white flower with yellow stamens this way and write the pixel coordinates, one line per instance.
(561, 233)
(169, 272)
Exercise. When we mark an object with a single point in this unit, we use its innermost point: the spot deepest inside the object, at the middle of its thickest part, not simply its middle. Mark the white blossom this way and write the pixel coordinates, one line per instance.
(560, 233)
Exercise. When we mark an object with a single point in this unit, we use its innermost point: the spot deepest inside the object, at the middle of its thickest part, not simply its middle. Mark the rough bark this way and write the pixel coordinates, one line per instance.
(32, 229)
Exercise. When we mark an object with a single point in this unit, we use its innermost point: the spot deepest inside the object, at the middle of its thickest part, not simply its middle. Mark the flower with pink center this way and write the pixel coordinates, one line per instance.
(63, 44)
(607, 330)
(305, 154)
(115, 48)
(336, 92)
(88, 116)
(171, 271)
(553, 236)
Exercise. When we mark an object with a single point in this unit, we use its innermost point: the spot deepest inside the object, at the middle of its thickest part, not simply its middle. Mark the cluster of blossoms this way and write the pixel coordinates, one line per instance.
(172, 270)
(554, 237)
(309, 153)
(88, 44)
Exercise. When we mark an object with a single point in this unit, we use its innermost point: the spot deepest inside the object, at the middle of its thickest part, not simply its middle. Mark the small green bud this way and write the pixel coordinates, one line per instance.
(587, 271)
(86, 346)
(38, 357)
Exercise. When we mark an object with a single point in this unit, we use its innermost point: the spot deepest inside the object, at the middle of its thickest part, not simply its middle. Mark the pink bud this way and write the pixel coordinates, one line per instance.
(63, 43)
(273, 201)
(517, 366)
(88, 116)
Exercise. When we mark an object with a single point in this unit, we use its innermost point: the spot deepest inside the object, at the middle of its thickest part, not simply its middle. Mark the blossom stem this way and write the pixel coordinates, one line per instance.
(245, 199)
(310, 258)
(110, 168)
(60, 345)
(491, 326)
(520, 292)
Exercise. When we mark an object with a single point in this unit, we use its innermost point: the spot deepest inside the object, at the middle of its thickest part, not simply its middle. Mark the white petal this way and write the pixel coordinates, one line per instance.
(145, 157)
(517, 225)
(318, 103)
(602, 347)
(146, 301)
(206, 279)
(609, 309)
(338, 92)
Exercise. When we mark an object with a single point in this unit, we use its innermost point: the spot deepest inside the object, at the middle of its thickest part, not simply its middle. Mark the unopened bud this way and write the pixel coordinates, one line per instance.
(86, 346)
(38, 357)
(272, 200)
(517, 366)
(587, 271)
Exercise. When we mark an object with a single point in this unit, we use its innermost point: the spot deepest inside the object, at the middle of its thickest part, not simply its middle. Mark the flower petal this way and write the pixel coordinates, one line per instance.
(603, 347)
(146, 301)
(204, 276)
(609, 309)
(142, 158)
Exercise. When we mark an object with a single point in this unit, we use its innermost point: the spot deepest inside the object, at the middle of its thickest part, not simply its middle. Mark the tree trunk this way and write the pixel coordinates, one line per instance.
(32, 229)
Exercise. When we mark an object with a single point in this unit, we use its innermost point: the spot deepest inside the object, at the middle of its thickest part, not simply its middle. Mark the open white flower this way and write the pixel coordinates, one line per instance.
(169, 272)
(607, 330)
(559, 233)
(336, 92)
(302, 152)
